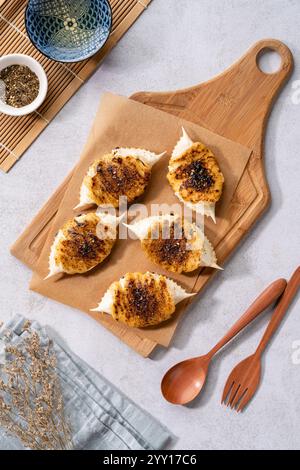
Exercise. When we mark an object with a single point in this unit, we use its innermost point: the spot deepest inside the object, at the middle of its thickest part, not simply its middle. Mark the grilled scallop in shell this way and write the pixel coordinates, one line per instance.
(195, 176)
(142, 299)
(82, 243)
(174, 243)
(124, 172)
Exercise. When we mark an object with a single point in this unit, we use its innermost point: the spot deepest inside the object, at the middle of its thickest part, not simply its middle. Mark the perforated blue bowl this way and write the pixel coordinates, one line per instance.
(68, 30)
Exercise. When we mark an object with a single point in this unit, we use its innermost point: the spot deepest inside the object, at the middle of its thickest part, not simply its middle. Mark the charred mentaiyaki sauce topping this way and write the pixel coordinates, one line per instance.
(145, 301)
(82, 249)
(141, 300)
(198, 177)
(170, 248)
(84, 241)
(115, 177)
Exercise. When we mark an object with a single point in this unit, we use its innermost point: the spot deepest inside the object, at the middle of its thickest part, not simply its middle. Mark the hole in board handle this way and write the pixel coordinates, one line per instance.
(269, 61)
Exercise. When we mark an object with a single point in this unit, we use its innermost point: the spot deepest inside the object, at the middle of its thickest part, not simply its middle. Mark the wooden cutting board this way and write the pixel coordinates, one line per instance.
(236, 105)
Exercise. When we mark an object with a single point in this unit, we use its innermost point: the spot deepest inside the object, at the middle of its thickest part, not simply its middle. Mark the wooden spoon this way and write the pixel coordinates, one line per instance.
(184, 381)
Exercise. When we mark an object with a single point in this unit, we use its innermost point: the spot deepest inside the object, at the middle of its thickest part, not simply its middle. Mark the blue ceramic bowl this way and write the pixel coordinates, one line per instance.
(68, 30)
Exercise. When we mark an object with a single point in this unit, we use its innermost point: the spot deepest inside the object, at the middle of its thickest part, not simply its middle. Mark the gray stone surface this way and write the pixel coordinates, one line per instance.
(178, 43)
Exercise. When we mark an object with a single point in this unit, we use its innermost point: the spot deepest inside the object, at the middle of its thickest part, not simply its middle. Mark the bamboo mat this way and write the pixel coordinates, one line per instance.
(18, 133)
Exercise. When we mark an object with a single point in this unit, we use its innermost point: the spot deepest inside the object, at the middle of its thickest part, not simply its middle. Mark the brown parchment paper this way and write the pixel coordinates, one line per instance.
(126, 123)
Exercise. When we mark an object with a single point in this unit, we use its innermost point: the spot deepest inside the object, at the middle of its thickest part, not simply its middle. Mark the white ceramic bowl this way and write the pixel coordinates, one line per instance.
(35, 66)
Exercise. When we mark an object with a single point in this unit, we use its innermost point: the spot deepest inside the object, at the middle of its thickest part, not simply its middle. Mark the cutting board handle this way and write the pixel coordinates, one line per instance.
(235, 103)
(276, 46)
(263, 85)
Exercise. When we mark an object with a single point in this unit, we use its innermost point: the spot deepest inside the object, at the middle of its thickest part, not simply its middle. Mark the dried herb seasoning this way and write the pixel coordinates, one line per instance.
(21, 85)
(31, 399)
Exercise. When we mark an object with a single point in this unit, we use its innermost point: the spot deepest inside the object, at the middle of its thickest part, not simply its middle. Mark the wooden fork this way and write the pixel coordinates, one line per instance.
(244, 380)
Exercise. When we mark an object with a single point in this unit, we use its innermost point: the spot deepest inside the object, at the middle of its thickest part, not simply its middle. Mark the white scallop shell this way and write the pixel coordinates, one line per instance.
(147, 157)
(106, 218)
(203, 208)
(84, 196)
(140, 228)
(53, 267)
(109, 219)
(106, 304)
(183, 144)
(208, 255)
(107, 301)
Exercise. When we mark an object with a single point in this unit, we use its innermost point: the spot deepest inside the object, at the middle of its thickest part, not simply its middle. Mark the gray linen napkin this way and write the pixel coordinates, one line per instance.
(100, 416)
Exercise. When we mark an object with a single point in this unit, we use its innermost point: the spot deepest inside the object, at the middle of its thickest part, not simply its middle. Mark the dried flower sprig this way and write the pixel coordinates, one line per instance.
(31, 402)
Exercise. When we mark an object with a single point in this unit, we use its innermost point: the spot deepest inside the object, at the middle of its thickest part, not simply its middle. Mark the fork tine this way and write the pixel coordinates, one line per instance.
(245, 400)
(238, 397)
(227, 388)
(233, 392)
(233, 396)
